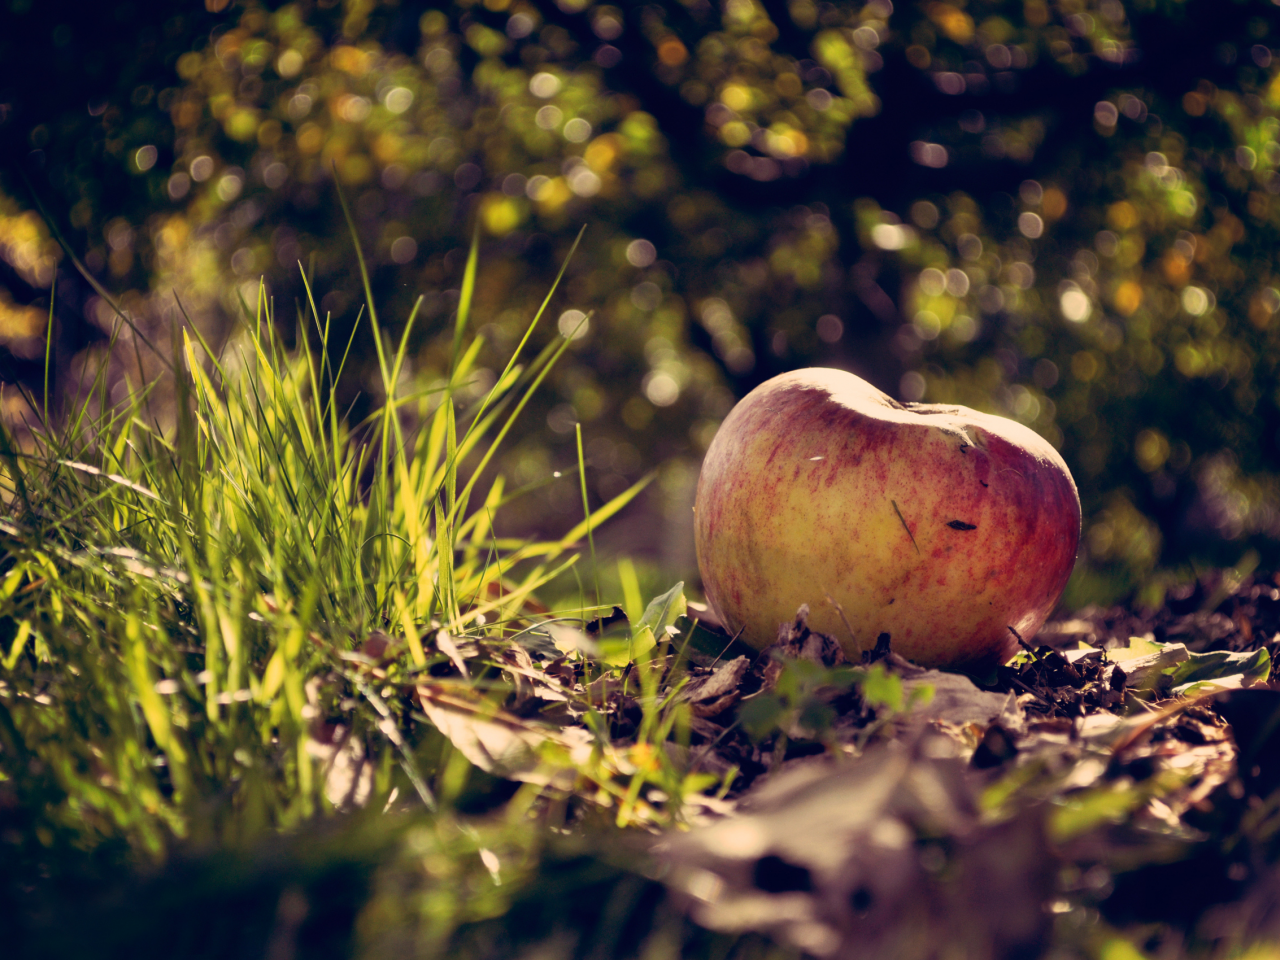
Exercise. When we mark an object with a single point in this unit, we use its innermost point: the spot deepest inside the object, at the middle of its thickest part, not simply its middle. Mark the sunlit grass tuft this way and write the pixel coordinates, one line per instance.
(204, 617)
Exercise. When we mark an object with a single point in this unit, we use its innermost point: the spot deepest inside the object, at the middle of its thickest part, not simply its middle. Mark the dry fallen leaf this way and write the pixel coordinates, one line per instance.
(716, 692)
(956, 699)
(493, 740)
(885, 857)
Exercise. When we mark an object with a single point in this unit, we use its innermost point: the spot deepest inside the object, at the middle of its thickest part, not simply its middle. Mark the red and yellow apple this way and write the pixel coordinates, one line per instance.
(938, 525)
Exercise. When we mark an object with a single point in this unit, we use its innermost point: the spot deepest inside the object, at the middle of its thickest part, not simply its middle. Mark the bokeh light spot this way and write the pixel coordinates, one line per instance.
(646, 296)
(964, 328)
(912, 386)
(519, 26)
(932, 282)
(549, 117)
(1084, 365)
(535, 187)
(398, 99)
(736, 97)
(274, 175)
(145, 158)
(404, 249)
(969, 246)
(641, 253)
(889, 236)
(573, 325)
(1030, 225)
(927, 325)
(501, 214)
(1075, 305)
(1128, 297)
(661, 389)
(1151, 450)
(1195, 300)
(672, 52)
(929, 154)
(201, 168)
(577, 130)
(544, 85)
(924, 214)
(353, 109)
(230, 185)
(957, 282)
(830, 328)
(289, 64)
(819, 99)
(584, 181)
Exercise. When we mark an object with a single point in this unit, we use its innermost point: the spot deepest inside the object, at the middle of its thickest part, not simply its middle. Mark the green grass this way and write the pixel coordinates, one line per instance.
(227, 614)
(174, 589)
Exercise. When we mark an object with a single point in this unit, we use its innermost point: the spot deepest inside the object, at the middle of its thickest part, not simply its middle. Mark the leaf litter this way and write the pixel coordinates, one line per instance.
(1122, 773)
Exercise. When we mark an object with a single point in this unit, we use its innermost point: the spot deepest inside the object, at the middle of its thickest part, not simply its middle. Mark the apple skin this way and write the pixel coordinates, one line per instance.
(938, 525)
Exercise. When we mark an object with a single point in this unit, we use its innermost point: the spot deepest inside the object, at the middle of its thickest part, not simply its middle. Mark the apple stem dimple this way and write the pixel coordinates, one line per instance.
(903, 521)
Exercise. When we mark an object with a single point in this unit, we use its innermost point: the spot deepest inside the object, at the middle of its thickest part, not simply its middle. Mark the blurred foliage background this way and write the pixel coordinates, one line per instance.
(1065, 212)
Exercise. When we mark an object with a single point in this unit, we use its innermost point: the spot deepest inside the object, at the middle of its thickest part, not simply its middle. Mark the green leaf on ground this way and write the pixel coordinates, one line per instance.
(1250, 667)
(661, 613)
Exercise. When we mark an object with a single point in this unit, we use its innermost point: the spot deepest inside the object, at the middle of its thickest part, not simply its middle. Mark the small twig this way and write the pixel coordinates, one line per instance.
(711, 746)
(1018, 683)
(732, 641)
(903, 521)
(1022, 643)
(840, 612)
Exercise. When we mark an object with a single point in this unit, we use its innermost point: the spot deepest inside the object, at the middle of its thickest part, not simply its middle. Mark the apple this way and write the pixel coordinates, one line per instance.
(938, 525)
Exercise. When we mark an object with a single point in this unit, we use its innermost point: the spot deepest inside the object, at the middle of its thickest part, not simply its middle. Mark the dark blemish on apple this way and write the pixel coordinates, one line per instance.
(903, 521)
(984, 483)
(961, 525)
